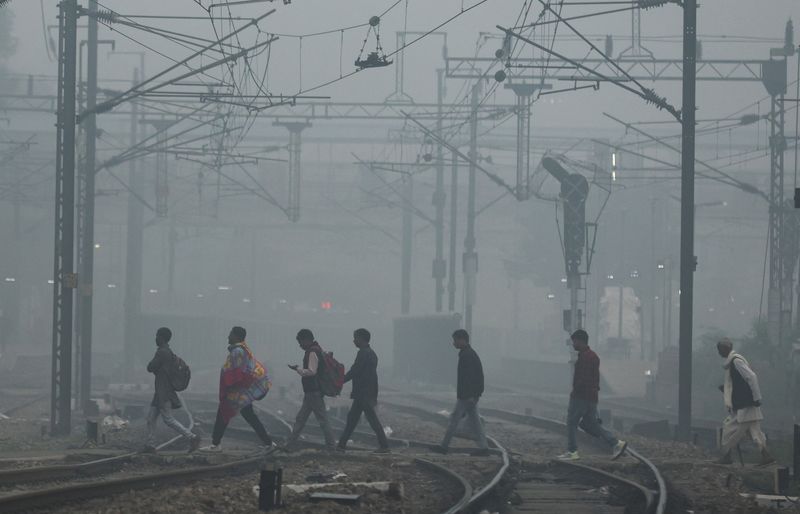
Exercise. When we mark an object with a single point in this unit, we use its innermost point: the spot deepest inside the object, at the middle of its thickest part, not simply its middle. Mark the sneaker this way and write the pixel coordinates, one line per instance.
(340, 449)
(382, 450)
(766, 458)
(268, 447)
(569, 456)
(619, 450)
(725, 459)
(214, 448)
(194, 443)
(148, 448)
(439, 449)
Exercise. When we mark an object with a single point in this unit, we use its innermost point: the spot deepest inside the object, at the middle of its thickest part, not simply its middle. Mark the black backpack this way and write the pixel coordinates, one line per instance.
(179, 374)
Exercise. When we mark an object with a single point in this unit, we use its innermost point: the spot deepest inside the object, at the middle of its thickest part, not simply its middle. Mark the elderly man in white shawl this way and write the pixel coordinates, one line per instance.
(743, 401)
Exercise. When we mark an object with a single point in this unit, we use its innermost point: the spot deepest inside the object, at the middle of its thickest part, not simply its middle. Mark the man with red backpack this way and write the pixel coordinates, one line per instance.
(242, 380)
(313, 397)
(165, 399)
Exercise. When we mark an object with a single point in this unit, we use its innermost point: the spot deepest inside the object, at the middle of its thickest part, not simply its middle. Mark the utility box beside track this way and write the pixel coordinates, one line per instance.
(423, 349)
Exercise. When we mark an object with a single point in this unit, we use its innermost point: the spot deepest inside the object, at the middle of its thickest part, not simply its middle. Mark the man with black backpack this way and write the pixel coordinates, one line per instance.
(313, 398)
(165, 398)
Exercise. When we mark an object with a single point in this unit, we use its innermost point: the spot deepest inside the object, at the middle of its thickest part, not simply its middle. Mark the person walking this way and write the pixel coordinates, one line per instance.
(742, 397)
(242, 380)
(313, 399)
(364, 374)
(165, 399)
(582, 409)
(469, 388)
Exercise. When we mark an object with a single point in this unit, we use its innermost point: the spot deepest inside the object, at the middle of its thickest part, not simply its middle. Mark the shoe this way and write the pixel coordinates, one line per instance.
(340, 449)
(382, 450)
(194, 444)
(439, 449)
(569, 456)
(619, 450)
(287, 448)
(766, 458)
(148, 448)
(481, 452)
(214, 448)
(725, 459)
(268, 447)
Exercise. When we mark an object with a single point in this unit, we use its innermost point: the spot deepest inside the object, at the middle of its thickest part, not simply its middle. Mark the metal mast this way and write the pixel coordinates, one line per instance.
(86, 219)
(64, 278)
(688, 261)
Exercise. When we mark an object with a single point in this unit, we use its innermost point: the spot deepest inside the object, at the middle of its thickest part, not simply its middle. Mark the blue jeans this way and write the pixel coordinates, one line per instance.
(468, 408)
(583, 413)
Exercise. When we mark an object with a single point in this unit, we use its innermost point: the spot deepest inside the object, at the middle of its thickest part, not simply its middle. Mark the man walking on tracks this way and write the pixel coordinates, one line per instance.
(469, 388)
(242, 380)
(583, 401)
(313, 399)
(165, 399)
(743, 401)
(364, 375)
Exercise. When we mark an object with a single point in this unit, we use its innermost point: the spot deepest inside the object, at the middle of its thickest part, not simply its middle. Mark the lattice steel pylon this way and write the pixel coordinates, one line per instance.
(64, 277)
(774, 78)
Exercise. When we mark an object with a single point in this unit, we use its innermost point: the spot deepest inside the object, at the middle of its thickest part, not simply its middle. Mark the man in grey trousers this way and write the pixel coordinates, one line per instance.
(469, 389)
(165, 399)
(313, 400)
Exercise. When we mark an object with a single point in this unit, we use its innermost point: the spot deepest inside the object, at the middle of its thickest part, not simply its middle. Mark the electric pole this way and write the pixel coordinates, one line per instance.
(133, 248)
(451, 282)
(470, 262)
(86, 220)
(688, 262)
(439, 198)
(64, 279)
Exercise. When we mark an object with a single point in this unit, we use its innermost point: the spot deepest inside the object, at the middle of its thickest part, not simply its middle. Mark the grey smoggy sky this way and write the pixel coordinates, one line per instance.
(321, 55)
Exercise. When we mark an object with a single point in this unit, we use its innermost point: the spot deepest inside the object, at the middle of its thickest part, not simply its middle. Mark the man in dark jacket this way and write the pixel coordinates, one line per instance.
(165, 398)
(583, 400)
(364, 375)
(313, 400)
(469, 389)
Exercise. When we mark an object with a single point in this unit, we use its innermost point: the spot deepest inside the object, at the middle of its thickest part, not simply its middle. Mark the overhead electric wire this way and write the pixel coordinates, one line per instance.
(402, 47)
(578, 17)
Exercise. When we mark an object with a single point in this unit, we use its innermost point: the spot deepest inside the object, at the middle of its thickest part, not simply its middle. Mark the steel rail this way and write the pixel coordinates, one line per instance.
(554, 425)
(463, 502)
(59, 495)
(66, 471)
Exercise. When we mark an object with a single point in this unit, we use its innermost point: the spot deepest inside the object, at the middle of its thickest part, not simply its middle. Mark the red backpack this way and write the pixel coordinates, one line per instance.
(331, 377)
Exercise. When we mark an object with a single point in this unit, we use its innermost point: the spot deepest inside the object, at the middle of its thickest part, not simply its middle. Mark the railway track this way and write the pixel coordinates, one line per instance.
(553, 484)
(421, 459)
(551, 494)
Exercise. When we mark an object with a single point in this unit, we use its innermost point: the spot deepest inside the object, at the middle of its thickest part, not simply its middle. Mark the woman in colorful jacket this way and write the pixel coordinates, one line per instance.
(242, 381)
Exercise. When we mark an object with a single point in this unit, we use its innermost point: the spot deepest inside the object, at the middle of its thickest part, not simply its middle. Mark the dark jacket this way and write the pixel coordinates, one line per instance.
(586, 380)
(159, 366)
(741, 394)
(470, 375)
(364, 374)
(311, 384)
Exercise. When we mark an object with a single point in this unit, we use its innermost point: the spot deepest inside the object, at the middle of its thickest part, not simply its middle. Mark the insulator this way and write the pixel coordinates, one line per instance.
(647, 4)
(106, 15)
(749, 119)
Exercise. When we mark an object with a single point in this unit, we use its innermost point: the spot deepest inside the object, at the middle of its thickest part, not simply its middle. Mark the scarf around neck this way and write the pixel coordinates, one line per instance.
(728, 387)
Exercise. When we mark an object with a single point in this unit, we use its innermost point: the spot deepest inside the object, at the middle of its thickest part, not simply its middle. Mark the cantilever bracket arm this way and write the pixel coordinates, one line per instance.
(648, 95)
